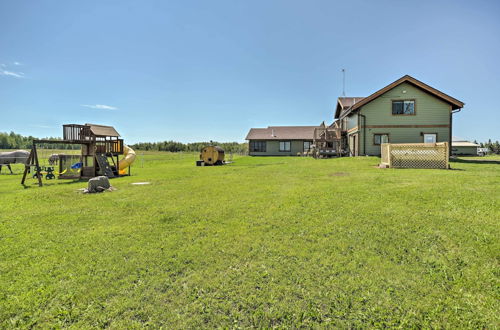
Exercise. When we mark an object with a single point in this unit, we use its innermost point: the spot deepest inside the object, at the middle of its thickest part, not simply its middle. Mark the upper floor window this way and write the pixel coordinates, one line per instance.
(285, 145)
(257, 146)
(403, 107)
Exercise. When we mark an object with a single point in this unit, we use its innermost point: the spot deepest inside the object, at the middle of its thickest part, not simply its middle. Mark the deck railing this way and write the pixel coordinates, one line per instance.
(327, 134)
(109, 146)
(74, 132)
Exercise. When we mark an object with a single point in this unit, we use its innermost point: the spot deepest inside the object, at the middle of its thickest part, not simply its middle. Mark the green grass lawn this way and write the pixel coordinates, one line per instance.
(262, 242)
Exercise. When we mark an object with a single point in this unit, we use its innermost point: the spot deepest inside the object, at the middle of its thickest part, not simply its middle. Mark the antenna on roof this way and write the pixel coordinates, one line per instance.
(343, 82)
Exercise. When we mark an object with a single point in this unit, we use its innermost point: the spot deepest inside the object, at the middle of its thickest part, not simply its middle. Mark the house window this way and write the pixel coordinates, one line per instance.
(307, 145)
(285, 145)
(257, 146)
(403, 107)
(430, 138)
(378, 139)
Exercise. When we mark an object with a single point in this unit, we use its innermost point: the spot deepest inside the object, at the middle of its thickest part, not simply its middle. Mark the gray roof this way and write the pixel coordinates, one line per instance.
(349, 101)
(282, 133)
(464, 144)
(345, 103)
(459, 142)
(102, 130)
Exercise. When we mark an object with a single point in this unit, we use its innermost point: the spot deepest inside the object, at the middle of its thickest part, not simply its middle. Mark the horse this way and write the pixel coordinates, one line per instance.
(13, 157)
(54, 159)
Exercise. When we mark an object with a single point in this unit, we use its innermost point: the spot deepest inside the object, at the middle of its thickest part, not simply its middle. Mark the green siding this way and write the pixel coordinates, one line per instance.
(401, 135)
(466, 151)
(352, 121)
(429, 110)
(273, 149)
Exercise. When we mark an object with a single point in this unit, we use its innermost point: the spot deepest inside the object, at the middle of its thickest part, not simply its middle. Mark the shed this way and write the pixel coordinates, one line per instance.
(462, 147)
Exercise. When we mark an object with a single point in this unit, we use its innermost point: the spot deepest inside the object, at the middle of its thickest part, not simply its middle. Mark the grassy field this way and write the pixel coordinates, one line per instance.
(262, 242)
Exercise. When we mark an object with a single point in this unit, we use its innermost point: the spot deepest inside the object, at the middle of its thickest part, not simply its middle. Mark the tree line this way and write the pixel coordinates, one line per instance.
(16, 141)
(493, 147)
(174, 146)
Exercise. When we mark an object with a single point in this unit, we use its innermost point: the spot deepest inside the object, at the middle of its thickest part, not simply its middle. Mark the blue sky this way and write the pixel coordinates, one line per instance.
(210, 70)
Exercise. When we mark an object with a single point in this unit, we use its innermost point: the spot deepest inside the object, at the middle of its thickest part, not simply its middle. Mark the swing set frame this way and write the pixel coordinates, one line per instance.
(33, 158)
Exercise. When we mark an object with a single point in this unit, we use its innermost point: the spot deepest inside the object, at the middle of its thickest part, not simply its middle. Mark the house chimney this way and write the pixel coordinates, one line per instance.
(272, 133)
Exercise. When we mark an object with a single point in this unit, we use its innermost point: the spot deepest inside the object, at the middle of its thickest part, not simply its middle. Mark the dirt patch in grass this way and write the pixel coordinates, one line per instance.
(339, 174)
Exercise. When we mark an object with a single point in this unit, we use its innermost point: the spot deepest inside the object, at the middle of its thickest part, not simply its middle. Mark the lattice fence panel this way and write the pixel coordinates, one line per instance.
(419, 155)
(415, 155)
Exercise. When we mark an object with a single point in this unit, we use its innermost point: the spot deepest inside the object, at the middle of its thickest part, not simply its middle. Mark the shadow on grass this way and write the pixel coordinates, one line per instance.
(475, 161)
(257, 165)
(56, 182)
(51, 183)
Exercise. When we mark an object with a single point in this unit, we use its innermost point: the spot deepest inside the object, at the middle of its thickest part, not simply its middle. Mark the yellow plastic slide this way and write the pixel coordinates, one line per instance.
(128, 159)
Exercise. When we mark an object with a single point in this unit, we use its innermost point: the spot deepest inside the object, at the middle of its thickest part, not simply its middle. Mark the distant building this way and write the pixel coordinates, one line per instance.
(462, 147)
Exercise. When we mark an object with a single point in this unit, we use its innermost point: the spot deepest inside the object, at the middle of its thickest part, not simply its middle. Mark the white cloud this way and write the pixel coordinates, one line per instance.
(11, 73)
(100, 106)
(5, 72)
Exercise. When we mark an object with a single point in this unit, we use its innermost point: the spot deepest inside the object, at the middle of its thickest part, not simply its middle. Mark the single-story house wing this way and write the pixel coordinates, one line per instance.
(280, 140)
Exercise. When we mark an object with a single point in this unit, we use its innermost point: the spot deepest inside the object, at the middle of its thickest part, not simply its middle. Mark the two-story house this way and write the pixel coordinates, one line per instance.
(406, 111)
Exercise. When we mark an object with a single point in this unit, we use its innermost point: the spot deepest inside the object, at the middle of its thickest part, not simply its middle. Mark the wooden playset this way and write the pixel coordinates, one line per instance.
(100, 147)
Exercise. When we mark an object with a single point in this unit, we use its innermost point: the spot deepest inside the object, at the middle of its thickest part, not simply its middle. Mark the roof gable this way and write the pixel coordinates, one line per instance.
(455, 104)
(344, 103)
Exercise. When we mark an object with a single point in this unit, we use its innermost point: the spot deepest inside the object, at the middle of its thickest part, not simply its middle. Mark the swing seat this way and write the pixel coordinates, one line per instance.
(50, 173)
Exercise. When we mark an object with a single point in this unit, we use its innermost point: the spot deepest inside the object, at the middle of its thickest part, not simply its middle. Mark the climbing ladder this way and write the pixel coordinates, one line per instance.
(104, 167)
